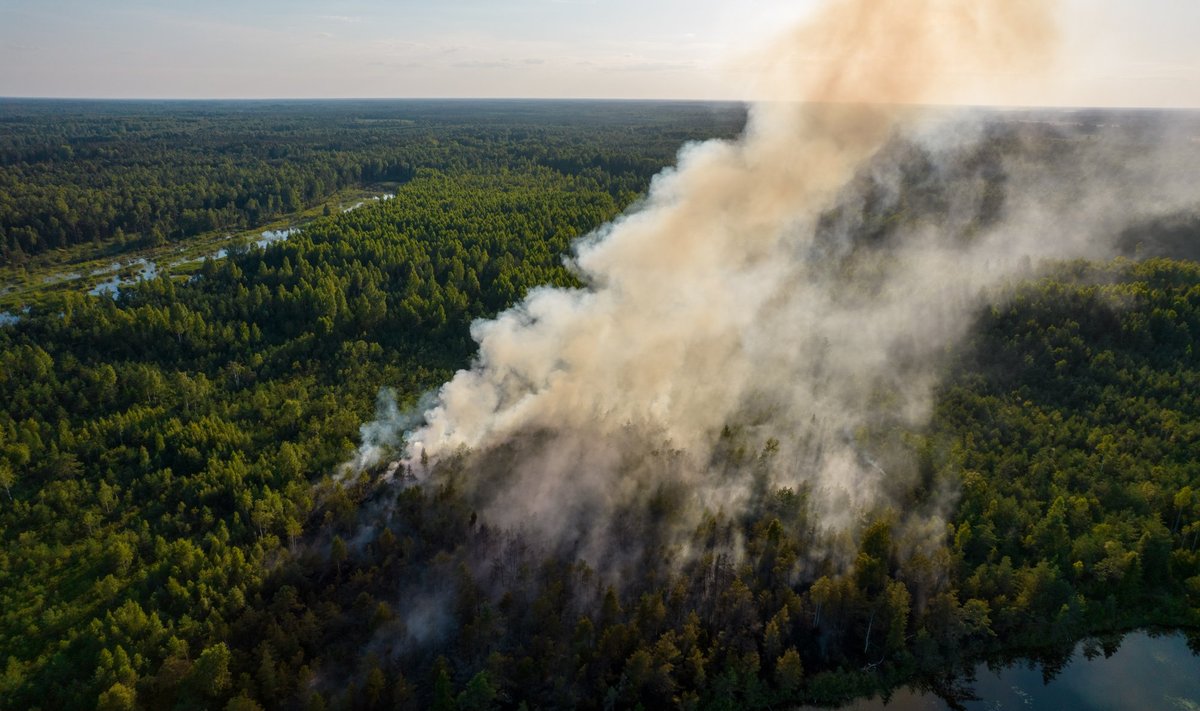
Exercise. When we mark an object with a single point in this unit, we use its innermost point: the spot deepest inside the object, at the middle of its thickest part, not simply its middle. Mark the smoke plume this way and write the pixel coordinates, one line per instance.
(780, 305)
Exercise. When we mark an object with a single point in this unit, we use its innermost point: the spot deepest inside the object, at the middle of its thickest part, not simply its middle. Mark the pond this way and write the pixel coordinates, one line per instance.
(1147, 671)
(145, 269)
(377, 198)
(272, 236)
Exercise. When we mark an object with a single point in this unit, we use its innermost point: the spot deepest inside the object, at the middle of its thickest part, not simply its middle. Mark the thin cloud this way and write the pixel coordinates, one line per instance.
(397, 65)
(482, 64)
(652, 66)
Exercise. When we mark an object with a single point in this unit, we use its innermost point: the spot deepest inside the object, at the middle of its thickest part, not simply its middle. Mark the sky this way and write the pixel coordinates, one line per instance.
(1113, 52)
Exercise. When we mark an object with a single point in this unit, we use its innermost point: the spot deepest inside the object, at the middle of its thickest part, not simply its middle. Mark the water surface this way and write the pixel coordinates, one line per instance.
(145, 269)
(1145, 672)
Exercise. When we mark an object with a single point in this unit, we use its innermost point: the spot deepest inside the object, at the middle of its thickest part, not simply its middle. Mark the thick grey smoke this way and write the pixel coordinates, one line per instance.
(780, 305)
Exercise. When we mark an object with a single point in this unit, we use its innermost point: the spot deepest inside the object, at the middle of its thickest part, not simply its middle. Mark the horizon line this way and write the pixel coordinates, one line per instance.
(582, 99)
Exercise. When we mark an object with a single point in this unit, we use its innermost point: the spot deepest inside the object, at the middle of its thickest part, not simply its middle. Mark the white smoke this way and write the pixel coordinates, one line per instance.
(745, 306)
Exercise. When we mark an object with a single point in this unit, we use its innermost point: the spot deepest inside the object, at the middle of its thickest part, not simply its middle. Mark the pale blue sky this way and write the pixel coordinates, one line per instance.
(1116, 52)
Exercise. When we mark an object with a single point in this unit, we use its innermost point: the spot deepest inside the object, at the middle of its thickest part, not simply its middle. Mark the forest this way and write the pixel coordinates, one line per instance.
(87, 172)
(175, 535)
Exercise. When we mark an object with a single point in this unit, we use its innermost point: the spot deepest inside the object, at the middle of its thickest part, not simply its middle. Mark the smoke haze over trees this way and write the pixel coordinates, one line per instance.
(856, 396)
(741, 295)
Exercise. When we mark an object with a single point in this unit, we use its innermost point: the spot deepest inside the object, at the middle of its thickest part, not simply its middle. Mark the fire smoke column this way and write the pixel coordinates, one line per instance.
(709, 305)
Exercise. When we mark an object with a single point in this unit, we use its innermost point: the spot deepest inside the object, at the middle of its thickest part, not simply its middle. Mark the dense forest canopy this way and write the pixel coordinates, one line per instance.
(75, 172)
(172, 536)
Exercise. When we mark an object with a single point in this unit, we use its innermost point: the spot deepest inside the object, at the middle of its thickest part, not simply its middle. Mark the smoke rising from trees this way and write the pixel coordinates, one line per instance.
(777, 310)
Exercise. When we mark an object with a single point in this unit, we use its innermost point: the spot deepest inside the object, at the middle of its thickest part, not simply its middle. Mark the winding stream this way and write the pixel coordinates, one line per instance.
(143, 268)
